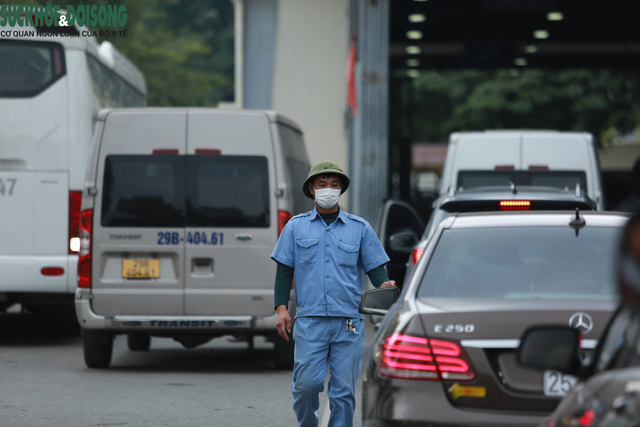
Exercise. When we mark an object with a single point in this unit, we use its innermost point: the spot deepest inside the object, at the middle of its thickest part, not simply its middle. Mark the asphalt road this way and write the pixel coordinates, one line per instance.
(44, 382)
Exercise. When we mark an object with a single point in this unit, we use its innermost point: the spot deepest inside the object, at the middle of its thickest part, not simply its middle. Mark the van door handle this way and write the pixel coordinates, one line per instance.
(243, 236)
(202, 262)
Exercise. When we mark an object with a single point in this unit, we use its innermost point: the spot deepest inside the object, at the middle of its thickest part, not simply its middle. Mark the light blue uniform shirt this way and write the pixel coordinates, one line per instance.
(328, 262)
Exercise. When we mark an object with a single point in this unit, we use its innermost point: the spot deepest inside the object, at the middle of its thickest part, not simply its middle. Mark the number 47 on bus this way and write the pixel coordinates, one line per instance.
(7, 185)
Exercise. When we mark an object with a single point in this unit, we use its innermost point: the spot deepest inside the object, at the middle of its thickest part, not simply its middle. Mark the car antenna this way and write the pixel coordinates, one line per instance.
(578, 222)
(514, 190)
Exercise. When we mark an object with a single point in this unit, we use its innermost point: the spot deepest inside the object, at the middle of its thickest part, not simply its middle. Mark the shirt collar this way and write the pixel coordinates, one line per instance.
(314, 213)
(341, 214)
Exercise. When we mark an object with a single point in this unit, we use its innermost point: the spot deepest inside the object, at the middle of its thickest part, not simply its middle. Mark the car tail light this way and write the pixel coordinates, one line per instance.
(208, 151)
(84, 264)
(283, 219)
(75, 200)
(165, 151)
(416, 254)
(538, 167)
(406, 356)
(504, 167)
(515, 205)
(587, 418)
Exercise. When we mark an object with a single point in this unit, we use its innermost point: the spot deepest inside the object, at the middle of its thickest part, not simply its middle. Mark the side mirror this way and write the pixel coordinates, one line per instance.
(403, 241)
(550, 347)
(378, 301)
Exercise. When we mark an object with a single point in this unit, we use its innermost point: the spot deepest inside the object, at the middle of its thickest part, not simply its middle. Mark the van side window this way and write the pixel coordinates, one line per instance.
(143, 191)
(228, 191)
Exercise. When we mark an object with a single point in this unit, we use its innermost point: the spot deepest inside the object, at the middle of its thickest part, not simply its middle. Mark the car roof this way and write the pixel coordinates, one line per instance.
(522, 193)
(536, 219)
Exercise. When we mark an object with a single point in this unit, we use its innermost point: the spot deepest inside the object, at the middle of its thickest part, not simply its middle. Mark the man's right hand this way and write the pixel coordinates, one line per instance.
(284, 322)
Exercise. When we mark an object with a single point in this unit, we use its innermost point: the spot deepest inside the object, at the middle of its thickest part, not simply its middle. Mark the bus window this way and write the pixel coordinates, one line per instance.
(28, 68)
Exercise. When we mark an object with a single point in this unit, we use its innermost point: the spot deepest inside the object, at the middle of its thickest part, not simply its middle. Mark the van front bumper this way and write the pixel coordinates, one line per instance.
(219, 325)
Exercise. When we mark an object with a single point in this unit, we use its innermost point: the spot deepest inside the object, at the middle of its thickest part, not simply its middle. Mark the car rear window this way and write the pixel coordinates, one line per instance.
(228, 191)
(565, 180)
(522, 262)
(143, 191)
(28, 68)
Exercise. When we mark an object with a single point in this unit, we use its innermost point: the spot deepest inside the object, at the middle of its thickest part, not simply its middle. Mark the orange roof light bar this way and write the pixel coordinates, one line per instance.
(515, 205)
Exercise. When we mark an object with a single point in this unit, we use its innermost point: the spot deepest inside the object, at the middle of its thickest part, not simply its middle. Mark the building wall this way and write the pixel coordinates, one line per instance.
(260, 24)
(309, 79)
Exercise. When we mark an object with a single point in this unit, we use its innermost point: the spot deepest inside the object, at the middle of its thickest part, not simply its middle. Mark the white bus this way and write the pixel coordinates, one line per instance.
(51, 89)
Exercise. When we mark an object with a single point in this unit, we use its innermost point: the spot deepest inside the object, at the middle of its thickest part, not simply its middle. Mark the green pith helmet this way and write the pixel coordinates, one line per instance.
(325, 168)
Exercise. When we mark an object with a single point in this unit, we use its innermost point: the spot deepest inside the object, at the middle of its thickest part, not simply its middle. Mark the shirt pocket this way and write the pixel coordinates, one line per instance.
(348, 254)
(307, 251)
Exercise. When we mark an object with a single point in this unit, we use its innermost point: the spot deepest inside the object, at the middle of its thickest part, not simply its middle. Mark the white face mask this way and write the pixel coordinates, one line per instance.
(327, 198)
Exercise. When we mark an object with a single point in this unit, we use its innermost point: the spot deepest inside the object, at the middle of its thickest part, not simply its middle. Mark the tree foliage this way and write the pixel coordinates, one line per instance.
(595, 101)
(183, 47)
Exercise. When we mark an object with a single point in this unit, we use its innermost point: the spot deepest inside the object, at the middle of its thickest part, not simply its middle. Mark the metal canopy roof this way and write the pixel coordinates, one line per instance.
(502, 33)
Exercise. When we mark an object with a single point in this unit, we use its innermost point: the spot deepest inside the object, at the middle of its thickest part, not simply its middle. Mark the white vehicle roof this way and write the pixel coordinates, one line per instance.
(520, 132)
(273, 116)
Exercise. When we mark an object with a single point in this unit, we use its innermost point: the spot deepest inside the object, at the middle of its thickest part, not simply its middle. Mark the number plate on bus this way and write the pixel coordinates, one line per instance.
(557, 384)
(140, 268)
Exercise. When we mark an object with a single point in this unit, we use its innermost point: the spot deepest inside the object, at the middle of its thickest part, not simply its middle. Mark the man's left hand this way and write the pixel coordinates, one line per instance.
(388, 284)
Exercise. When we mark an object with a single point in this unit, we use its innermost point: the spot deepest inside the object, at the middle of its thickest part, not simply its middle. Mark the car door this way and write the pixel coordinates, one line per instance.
(610, 381)
(232, 217)
(138, 216)
(396, 216)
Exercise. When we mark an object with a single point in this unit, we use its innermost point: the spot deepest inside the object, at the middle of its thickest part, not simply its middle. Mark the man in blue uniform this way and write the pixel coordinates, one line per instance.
(327, 249)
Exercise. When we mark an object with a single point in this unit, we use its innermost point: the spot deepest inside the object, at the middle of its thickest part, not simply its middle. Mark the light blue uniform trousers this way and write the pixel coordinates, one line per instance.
(321, 343)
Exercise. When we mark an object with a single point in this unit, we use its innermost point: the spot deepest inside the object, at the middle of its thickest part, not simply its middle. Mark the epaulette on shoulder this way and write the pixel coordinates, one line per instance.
(300, 215)
(356, 218)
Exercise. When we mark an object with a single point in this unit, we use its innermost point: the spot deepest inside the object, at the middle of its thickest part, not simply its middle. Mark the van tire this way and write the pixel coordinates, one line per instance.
(97, 347)
(138, 342)
(284, 353)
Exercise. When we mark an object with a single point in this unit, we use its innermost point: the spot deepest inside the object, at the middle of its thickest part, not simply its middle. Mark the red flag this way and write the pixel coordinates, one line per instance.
(352, 99)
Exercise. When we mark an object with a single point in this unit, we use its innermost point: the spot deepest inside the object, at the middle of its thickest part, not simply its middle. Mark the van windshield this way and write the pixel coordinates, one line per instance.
(564, 180)
(28, 68)
(227, 191)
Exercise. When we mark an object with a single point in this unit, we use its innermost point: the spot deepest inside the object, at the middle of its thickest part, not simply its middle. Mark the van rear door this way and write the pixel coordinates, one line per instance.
(488, 151)
(232, 219)
(559, 151)
(138, 218)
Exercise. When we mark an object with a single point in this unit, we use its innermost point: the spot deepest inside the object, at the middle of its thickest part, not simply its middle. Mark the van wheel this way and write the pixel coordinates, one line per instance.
(283, 355)
(138, 342)
(97, 346)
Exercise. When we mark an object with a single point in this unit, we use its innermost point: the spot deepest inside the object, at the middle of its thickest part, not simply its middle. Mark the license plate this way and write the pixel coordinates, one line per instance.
(557, 384)
(140, 268)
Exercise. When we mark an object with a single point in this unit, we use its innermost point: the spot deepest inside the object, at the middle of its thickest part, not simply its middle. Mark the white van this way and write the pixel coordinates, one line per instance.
(51, 90)
(550, 159)
(181, 210)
